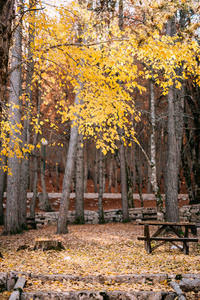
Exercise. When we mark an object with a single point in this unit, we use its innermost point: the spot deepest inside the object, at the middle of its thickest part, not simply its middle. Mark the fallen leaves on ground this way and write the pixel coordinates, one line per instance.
(108, 249)
(34, 285)
(192, 296)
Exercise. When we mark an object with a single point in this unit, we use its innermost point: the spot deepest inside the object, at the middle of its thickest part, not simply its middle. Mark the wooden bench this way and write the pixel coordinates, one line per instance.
(33, 221)
(185, 239)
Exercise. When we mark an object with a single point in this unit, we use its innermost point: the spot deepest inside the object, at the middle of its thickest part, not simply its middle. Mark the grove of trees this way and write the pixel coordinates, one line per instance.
(111, 86)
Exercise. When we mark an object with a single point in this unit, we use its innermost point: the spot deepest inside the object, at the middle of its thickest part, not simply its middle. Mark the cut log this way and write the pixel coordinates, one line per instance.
(23, 247)
(46, 245)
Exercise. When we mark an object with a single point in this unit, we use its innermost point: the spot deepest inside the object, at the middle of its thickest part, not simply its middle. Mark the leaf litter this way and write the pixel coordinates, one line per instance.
(109, 249)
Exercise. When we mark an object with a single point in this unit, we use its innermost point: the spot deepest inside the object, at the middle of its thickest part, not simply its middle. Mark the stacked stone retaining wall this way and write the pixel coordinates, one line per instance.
(190, 213)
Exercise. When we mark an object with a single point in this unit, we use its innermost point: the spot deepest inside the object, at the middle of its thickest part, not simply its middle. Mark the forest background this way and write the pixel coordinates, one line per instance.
(102, 91)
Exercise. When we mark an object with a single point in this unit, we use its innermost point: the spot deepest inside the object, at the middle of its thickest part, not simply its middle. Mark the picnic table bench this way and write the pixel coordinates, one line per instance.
(185, 239)
(33, 221)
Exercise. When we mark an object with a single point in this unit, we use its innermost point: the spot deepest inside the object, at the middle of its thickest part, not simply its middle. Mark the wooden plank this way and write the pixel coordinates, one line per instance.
(167, 223)
(175, 230)
(147, 242)
(185, 244)
(159, 230)
(176, 239)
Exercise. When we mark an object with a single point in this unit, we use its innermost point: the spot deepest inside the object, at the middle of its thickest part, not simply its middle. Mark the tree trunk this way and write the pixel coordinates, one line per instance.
(64, 205)
(26, 129)
(193, 142)
(6, 17)
(110, 173)
(2, 186)
(57, 177)
(35, 158)
(171, 178)
(153, 178)
(133, 175)
(13, 222)
(174, 141)
(44, 198)
(129, 187)
(116, 176)
(35, 182)
(100, 196)
(85, 160)
(125, 210)
(79, 203)
(96, 171)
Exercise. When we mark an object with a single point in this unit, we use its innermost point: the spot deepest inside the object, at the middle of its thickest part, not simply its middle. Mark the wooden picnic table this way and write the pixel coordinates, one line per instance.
(185, 239)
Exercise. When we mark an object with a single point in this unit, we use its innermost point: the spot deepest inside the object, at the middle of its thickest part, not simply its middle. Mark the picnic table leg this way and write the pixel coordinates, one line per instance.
(147, 242)
(186, 244)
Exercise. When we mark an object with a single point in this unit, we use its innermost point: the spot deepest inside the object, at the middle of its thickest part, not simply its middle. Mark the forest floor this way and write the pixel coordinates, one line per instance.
(109, 249)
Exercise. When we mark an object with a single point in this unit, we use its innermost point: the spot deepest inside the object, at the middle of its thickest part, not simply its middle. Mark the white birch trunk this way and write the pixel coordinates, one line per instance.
(153, 178)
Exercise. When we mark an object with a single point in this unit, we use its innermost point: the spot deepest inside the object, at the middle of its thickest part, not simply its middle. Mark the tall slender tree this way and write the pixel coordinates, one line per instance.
(123, 173)
(79, 202)
(174, 141)
(6, 17)
(13, 221)
(27, 117)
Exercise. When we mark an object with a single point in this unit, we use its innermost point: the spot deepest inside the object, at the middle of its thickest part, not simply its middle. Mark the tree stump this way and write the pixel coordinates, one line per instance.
(46, 245)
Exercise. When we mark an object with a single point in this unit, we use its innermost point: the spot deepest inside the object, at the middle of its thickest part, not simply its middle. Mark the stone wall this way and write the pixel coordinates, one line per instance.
(190, 213)
(91, 217)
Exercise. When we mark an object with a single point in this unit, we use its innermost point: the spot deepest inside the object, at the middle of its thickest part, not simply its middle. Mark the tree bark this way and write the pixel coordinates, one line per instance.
(100, 196)
(13, 222)
(153, 178)
(175, 101)
(85, 160)
(26, 128)
(64, 205)
(125, 210)
(192, 147)
(171, 178)
(35, 182)
(35, 158)
(110, 173)
(96, 171)
(79, 203)
(44, 198)
(6, 16)
(2, 187)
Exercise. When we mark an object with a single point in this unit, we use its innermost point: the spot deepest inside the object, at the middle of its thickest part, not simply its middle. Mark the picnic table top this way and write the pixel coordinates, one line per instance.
(166, 223)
